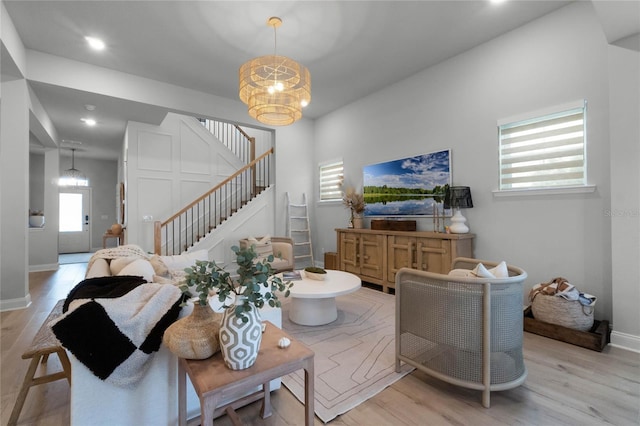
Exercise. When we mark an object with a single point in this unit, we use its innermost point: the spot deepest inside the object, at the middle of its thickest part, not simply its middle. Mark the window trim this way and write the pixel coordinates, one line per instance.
(581, 189)
(545, 190)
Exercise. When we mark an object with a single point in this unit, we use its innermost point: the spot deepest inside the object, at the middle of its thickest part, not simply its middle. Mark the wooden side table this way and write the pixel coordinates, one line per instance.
(212, 380)
(108, 235)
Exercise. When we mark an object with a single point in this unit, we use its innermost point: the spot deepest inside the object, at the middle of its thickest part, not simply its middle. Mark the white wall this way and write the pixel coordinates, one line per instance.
(624, 212)
(103, 182)
(14, 191)
(559, 58)
(43, 243)
(294, 148)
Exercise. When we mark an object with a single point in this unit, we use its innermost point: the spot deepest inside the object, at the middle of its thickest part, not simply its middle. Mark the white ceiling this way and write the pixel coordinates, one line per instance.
(352, 48)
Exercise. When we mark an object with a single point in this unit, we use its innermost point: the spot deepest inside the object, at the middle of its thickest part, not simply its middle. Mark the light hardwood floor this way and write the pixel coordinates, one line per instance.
(567, 385)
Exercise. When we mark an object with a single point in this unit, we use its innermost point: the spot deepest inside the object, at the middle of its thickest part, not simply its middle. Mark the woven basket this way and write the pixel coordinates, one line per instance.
(196, 335)
(560, 311)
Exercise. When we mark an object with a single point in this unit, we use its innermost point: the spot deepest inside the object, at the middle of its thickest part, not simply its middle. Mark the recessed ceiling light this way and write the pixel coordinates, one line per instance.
(89, 107)
(89, 121)
(498, 1)
(95, 43)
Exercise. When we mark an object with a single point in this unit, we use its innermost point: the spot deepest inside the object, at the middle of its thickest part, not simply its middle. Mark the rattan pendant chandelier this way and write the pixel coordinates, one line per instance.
(275, 88)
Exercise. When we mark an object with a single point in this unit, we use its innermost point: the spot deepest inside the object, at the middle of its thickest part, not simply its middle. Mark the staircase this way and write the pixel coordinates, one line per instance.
(233, 137)
(198, 219)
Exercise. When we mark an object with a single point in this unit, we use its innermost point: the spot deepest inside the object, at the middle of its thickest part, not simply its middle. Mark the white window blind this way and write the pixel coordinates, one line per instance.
(544, 152)
(331, 181)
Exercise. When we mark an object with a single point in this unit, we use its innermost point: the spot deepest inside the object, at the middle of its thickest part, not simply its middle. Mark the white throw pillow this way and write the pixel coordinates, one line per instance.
(481, 271)
(99, 268)
(500, 271)
(139, 267)
(120, 262)
(185, 260)
(262, 247)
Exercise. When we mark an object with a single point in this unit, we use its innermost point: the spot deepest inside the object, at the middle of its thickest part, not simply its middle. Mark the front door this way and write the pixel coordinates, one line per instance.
(74, 233)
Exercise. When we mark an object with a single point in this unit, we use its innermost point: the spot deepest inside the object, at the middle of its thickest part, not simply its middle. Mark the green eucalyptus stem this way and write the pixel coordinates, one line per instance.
(206, 277)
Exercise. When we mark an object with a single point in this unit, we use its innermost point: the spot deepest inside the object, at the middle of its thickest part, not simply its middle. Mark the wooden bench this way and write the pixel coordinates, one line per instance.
(44, 343)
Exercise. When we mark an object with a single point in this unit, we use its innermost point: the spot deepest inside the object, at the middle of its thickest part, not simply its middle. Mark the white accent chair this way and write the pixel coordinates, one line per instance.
(464, 330)
(282, 249)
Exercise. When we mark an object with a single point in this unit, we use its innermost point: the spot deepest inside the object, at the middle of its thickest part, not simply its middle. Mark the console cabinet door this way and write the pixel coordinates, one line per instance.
(349, 247)
(425, 254)
(372, 255)
(400, 254)
(433, 255)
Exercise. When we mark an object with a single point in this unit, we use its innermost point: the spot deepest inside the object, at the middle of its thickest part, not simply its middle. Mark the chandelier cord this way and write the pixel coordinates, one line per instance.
(275, 55)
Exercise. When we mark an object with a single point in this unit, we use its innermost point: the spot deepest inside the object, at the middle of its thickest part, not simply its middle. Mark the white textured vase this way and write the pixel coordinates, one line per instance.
(240, 341)
(36, 221)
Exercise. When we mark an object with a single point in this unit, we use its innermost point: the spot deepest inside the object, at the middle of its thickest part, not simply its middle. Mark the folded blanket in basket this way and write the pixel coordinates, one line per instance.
(561, 287)
(114, 325)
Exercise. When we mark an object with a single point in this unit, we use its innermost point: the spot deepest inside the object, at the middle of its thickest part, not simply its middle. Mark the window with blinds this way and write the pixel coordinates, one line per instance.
(331, 181)
(544, 152)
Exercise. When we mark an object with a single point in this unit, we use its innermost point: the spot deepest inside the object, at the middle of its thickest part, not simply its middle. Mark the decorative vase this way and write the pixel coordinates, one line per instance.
(196, 335)
(116, 229)
(36, 221)
(357, 222)
(240, 341)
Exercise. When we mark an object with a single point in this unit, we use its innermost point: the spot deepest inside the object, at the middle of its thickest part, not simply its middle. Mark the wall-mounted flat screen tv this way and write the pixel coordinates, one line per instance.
(413, 186)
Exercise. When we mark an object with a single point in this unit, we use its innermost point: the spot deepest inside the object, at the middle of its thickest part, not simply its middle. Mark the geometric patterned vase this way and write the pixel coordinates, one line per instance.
(240, 341)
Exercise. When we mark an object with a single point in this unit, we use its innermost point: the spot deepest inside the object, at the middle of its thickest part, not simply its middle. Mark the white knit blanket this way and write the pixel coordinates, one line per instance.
(129, 250)
(115, 337)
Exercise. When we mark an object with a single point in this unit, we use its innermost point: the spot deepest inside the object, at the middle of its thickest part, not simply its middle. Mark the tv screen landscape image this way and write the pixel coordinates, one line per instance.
(411, 186)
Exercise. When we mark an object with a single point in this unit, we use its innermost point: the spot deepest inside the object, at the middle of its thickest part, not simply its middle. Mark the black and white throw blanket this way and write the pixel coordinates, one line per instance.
(113, 325)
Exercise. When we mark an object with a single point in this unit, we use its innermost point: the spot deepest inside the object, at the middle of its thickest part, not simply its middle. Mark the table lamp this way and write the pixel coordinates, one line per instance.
(458, 197)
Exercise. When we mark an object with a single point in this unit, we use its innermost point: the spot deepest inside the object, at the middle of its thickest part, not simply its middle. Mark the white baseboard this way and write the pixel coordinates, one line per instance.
(625, 341)
(15, 304)
(44, 267)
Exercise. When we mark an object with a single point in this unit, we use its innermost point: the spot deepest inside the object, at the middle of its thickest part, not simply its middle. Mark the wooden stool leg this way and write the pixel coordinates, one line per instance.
(26, 384)
(66, 365)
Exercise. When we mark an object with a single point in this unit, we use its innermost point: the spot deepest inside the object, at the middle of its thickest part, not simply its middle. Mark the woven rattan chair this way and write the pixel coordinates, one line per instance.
(465, 331)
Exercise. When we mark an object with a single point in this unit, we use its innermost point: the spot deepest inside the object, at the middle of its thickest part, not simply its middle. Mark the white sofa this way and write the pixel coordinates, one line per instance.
(154, 400)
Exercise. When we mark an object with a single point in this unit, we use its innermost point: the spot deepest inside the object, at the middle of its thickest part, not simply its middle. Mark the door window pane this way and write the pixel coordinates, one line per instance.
(70, 212)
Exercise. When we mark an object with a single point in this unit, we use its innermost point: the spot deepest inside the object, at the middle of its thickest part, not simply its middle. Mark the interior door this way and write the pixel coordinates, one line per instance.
(75, 214)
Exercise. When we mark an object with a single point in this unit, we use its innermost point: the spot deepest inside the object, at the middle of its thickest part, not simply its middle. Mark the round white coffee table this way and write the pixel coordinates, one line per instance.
(314, 302)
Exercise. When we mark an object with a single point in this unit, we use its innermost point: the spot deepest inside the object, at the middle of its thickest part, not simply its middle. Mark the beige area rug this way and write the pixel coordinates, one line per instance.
(354, 355)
